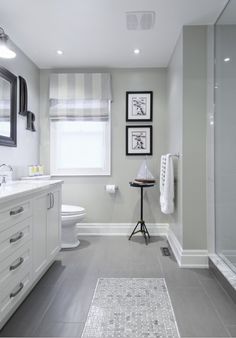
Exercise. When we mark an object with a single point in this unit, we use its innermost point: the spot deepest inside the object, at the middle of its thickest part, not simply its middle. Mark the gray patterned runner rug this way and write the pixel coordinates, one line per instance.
(131, 308)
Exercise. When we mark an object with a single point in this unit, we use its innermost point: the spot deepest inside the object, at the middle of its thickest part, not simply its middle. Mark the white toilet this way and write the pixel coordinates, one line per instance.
(70, 216)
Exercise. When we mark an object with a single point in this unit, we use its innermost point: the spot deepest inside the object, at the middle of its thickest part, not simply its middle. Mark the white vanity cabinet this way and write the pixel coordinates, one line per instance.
(53, 219)
(39, 234)
(30, 229)
(46, 229)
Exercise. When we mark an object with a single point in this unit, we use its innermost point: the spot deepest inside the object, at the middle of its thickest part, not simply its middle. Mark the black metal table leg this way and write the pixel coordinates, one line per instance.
(146, 230)
(143, 229)
(134, 231)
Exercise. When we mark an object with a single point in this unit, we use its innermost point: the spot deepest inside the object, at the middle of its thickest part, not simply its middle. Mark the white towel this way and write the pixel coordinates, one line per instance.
(167, 184)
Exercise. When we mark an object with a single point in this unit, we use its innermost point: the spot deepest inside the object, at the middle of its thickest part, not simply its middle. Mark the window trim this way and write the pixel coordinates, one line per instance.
(85, 171)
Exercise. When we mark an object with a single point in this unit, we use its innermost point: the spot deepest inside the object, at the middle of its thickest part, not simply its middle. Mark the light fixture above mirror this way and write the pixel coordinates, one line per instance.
(5, 51)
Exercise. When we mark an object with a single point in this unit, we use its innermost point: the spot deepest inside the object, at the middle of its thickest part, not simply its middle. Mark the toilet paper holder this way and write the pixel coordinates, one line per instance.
(111, 188)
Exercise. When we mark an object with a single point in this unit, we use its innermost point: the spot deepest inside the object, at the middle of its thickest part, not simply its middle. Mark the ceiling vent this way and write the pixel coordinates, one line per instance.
(140, 20)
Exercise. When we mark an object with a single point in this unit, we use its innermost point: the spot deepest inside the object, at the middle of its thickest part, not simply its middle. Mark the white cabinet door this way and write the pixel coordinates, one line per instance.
(40, 209)
(54, 224)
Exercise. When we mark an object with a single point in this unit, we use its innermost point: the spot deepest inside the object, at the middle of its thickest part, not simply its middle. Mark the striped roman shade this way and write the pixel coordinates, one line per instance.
(80, 96)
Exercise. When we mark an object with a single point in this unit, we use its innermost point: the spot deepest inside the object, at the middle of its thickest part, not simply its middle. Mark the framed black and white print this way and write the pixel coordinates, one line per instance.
(139, 106)
(138, 140)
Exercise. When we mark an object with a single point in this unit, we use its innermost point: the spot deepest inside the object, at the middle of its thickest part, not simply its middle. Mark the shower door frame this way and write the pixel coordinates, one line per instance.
(222, 265)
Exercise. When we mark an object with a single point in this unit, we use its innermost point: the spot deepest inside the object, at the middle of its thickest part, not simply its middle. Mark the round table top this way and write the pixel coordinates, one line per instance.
(141, 185)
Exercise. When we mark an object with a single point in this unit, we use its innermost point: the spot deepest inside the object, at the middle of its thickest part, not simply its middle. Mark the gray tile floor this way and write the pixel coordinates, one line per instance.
(59, 304)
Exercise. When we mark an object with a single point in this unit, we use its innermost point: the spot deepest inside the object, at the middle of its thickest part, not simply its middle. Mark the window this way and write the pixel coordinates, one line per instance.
(80, 106)
(80, 147)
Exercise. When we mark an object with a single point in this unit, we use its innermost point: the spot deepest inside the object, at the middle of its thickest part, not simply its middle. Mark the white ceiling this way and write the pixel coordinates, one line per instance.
(92, 33)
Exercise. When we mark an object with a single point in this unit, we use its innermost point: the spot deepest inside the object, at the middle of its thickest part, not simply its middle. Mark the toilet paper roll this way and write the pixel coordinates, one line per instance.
(111, 188)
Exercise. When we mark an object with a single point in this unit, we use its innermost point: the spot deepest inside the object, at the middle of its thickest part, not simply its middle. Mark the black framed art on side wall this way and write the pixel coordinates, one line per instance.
(139, 106)
(139, 140)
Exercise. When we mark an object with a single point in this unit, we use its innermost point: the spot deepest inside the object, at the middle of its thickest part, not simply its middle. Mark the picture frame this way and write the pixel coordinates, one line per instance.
(139, 105)
(139, 140)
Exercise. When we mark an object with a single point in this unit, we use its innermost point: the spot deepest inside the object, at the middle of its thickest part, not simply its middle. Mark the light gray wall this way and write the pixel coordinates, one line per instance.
(26, 152)
(175, 130)
(89, 191)
(194, 136)
(187, 111)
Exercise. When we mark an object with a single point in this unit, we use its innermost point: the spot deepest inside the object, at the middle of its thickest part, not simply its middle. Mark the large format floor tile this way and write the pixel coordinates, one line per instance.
(223, 304)
(194, 314)
(48, 329)
(232, 331)
(59, 304)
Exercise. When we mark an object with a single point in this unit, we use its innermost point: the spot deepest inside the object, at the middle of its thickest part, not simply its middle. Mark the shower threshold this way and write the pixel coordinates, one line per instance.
(229, 260)
(225, 275)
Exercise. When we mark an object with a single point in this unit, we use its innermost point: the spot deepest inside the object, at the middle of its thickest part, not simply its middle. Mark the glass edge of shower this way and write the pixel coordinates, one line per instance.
(219, 261)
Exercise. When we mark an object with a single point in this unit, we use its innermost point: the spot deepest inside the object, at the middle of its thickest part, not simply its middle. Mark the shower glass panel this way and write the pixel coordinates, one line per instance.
(225, 135)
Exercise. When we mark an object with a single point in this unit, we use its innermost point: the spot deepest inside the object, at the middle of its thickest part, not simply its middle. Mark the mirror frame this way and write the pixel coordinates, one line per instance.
(4, 140)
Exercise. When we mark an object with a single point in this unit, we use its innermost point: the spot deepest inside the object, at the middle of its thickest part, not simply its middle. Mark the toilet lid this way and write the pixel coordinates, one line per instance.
(71, 210)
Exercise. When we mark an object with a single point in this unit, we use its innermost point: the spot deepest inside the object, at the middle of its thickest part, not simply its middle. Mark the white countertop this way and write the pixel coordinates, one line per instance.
(16, 189)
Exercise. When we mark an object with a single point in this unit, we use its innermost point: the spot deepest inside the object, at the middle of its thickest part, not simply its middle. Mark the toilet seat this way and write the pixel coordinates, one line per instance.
(70, 210)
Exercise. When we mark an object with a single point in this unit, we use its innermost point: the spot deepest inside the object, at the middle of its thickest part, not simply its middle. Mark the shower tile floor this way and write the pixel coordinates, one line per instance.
(59, 304)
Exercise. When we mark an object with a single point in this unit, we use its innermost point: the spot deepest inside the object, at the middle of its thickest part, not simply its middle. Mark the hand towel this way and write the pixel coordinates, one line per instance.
(162, 173)
(167, 184)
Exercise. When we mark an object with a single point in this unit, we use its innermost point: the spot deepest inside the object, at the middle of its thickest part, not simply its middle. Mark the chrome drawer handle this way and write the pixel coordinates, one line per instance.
(51, 200)
(14, 294)
(18, 236)
(14, 267)
(17, 211)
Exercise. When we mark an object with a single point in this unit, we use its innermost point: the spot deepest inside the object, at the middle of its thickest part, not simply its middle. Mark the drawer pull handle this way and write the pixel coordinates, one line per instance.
(17, 211)
(51, 200)
(15, 266)
(18, 236)
(15, 293)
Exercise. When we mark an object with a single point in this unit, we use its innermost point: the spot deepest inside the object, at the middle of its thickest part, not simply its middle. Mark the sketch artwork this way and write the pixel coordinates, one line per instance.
(138, 140)
(138, 106)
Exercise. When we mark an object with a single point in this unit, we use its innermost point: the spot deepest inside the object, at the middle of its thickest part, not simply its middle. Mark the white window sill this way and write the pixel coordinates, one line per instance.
(80, 174)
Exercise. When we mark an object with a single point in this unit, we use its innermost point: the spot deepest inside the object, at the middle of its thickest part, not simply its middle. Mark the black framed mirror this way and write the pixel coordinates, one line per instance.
(8, 102)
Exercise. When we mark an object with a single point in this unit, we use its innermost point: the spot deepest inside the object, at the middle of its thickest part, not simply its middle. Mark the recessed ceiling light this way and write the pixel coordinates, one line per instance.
(59, 52)
(226, 59)
(136, 51)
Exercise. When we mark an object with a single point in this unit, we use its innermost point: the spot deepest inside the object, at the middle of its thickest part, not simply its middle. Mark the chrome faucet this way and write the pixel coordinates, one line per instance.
(3, 181)
(7, 165)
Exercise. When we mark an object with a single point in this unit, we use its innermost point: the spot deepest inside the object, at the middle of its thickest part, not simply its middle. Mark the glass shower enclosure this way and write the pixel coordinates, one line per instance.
(225, 136)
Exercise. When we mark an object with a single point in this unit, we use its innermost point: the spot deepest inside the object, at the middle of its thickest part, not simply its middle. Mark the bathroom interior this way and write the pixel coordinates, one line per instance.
(117, 162)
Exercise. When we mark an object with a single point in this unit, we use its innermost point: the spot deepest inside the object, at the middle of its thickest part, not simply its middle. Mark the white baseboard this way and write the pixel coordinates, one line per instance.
(187, 258)
(119, 229)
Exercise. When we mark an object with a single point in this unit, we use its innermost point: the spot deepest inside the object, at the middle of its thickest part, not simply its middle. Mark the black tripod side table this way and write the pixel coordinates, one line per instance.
(143, 229)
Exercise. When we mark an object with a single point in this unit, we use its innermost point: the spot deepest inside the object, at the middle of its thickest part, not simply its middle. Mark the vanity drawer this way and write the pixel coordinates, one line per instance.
(12, 295)
(15, 265)
(17, 212)
(14, 237)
